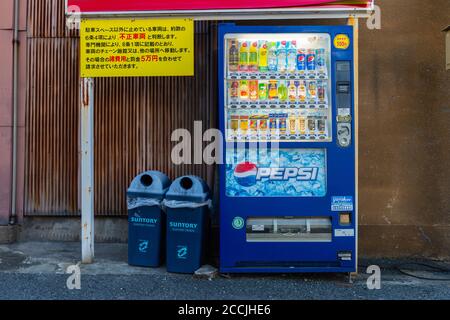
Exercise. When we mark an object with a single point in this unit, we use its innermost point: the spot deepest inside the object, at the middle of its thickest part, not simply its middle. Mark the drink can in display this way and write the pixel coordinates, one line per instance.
(301, 60)
(273, 123)
(253, 57)
(292, 91)
(320, 57)
(321, 124)
(243, 123)
(254, 124)
(321, 89)
(292, 57)
(234, 90)
(263, 123)
(312, 91)
(233, 56)
(292, 124)
(253, 90)
(244, 54)
(244, 90)
(302, 91)
(234, 123)
(311, 60)
(263, 91)
(273, 89)
(302, 125)
(283, 123)
(311, 125)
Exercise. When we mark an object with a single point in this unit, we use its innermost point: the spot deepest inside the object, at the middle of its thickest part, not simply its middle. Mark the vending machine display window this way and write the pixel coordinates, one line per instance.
(285, 229)
(278, 87)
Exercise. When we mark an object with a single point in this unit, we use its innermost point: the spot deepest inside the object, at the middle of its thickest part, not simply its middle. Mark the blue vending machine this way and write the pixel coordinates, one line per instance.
(288, 184)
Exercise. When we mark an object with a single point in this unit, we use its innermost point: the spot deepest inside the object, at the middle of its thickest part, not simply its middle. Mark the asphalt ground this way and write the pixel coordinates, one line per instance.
(37, 271)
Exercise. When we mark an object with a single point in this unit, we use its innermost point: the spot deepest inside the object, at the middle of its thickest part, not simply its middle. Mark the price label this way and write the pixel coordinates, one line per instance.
(342, 42)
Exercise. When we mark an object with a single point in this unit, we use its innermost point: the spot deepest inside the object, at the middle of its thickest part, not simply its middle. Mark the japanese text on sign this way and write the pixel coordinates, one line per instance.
(137, 48)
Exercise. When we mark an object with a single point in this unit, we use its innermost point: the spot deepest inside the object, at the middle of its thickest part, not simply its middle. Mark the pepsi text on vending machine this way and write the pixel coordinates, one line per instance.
(288, 184)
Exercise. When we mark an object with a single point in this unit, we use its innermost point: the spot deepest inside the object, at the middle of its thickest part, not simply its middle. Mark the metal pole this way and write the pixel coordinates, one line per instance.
(87, 169)
(13, 218)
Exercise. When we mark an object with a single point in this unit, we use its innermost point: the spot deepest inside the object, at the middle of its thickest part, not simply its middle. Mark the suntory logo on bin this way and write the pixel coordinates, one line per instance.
(247, 174)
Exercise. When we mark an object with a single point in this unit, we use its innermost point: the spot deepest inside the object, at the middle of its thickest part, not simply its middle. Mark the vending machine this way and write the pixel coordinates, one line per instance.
(288, 182)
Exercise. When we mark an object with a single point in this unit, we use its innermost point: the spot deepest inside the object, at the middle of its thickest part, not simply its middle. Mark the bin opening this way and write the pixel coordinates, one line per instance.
(146, 180)
(186, 183)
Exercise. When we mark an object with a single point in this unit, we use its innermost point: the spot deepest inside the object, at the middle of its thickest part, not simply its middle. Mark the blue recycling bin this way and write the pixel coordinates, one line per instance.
(187, 205)
(146, 220)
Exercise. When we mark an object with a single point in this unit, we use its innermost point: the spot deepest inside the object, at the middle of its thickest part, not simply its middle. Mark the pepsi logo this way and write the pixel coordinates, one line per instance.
(245, 174)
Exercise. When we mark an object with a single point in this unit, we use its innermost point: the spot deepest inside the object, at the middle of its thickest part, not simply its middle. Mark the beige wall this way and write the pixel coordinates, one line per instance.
(405, 131)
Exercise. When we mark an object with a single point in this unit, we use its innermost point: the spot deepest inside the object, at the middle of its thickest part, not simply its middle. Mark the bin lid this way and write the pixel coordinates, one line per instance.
(151, 184)
(189, 188)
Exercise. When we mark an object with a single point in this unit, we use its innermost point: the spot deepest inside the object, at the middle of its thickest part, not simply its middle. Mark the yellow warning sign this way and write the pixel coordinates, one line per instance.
(137, 48)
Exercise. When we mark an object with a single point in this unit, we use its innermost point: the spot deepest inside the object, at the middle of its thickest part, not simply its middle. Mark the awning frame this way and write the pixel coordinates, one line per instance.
(241, 14)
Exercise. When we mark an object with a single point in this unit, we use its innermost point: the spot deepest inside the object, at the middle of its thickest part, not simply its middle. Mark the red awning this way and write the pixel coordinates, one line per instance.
(111, 6)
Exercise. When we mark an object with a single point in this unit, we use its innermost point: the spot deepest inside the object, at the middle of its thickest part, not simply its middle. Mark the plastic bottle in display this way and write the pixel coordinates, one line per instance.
(311, 60)
(272, 57)
(302, 91)
(263, 91)
(243, 56)
(320, 57)
(253, 59)
(301, 60)
(273, 90)
(244, 90)
(292, 57)
(263, 57)
(253, 90)
(234, 90)
(312, 91)
(292, 90)
(321, 91)
(233, 57)
(282, 57)
(282, 91)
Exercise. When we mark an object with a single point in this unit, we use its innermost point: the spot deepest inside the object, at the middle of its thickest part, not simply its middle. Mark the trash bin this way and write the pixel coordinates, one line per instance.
(187, 205)
(146, 220)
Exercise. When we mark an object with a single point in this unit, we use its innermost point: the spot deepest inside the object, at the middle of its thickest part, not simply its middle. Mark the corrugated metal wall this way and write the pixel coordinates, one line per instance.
(134, 118)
